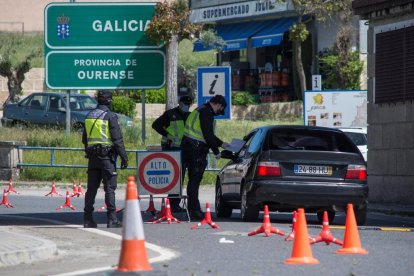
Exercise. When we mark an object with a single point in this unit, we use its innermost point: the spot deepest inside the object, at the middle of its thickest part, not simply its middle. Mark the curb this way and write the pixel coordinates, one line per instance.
(18, 248)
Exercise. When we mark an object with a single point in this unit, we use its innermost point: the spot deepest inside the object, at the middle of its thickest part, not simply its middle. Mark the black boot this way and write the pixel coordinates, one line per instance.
(88, 221)
(113, 221)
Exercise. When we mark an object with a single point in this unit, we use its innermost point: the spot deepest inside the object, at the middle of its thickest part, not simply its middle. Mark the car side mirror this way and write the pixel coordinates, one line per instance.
(62, 109)
(226, 154)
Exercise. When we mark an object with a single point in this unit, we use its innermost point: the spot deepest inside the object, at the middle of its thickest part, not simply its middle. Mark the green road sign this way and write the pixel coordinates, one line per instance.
(115, 69)
(97, 25)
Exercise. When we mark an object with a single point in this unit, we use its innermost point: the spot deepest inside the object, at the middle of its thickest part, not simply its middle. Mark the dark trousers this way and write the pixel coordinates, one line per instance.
(101, 170)
(195, 159)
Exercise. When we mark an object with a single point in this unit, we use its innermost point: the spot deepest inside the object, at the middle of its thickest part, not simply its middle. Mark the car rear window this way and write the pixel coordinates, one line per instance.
(306, 139)
(358, 138)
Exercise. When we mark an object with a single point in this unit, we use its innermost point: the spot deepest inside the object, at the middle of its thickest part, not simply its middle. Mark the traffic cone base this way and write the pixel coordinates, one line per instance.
(167, 215)
(53, 191)
(67, 203)
(136, 251)
(11, 188)
(301, 252)
(352, 250)
(266, 226)
(325, 235)
(207, 219)
(352, 243)
(5, 200)
(303, 260)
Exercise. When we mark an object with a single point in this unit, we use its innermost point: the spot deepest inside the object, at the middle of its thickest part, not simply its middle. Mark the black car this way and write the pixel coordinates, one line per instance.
(290, 167)
(49, 108)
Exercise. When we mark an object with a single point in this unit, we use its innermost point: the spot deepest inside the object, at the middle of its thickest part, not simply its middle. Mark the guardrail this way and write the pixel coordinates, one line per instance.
(211, 161)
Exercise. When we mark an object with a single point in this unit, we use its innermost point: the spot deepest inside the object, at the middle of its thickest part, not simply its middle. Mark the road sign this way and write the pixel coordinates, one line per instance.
(98, 25)
(116, 69)
(316, 82)
(213, 81)
(159, 172)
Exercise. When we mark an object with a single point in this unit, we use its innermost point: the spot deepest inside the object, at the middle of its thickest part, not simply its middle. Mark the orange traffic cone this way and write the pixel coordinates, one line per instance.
(80, 192)
(5, 200)
(53, 191)
(162, 212)
(67, 203)
(292, 234)
(167, 216)
(11, 189)
(325, 235)
(302, 252)
(133, 253)
(207, 219)
(75, 190)
(151, 207)
(266, 227)
(352, 244)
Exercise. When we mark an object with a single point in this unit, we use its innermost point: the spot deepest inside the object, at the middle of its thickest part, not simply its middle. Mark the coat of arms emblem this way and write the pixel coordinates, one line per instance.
(63, 26)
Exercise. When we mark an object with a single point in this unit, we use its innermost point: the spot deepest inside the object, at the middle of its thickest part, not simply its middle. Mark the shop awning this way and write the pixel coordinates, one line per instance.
(235, 35)
(272, 32)
(263, 33)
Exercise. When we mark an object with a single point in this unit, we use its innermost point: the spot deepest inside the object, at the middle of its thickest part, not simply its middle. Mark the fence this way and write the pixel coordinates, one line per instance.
(211, 161)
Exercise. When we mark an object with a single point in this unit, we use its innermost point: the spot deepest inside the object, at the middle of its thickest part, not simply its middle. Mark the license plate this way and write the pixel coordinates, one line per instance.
(313, 170)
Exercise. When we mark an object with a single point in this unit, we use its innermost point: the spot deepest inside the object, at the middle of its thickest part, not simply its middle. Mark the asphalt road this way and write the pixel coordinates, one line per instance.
(183, 251)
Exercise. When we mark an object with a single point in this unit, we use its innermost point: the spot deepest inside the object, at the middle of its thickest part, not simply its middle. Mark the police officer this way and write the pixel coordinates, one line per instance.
(103, 142)
(198, 138)
(171, 126)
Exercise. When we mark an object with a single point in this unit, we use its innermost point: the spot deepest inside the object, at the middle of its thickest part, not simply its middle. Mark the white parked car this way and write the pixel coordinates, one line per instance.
(359, 137)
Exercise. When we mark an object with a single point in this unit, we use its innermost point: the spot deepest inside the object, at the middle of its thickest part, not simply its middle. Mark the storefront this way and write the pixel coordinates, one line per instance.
(256, 45)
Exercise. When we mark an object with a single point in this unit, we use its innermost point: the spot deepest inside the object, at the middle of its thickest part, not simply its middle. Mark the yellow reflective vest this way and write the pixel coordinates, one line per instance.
(97, 129)
(192, 127)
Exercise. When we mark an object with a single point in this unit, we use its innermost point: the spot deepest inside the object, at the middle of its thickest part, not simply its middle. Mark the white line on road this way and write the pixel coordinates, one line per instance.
(165, 254)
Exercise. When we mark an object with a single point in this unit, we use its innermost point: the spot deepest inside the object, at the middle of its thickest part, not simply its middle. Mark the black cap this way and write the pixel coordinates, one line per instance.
(104, 96)
(219, 99)
(188, 100)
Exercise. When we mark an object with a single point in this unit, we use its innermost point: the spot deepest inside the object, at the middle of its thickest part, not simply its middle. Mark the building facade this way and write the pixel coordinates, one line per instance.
(257, 44)
(390, 96)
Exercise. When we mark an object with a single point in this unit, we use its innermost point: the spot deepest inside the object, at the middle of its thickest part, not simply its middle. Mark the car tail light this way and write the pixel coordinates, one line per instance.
(356, 172)
(268, 169)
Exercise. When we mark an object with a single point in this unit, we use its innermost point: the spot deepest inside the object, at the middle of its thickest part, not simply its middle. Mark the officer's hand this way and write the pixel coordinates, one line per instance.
(124, 164)
(224, 145)
(217, 156)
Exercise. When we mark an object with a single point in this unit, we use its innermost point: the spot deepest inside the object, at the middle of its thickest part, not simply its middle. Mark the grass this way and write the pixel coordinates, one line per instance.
(226, 130)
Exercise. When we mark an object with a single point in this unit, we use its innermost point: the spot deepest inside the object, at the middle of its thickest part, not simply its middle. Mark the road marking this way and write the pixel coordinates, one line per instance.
(375, 228)
(165, 254)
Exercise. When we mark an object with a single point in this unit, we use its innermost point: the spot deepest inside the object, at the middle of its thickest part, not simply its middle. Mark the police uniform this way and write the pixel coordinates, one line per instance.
(198, 138)
(103, 142)
(171, 126)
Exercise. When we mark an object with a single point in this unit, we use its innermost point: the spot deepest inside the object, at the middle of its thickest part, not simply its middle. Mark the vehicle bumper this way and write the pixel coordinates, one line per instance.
(307, 195)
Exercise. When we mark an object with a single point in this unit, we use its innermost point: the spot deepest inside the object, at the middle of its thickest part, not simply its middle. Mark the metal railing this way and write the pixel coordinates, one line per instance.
(211, 161)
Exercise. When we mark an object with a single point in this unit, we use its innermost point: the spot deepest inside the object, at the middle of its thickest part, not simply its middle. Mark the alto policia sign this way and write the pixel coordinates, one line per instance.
(101, 45)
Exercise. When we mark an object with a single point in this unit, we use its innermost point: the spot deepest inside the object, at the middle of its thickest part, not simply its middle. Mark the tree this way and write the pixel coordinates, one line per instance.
(16, 54)
(320, 10)
(170, 25)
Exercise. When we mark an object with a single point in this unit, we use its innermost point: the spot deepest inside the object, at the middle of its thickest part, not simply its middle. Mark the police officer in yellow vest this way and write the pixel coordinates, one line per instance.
(198, 139)
(103, 142)
(171, 126)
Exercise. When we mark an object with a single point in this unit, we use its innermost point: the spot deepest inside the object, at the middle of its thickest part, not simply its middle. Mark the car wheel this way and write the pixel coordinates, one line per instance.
(331, 216)
(248, 212)
(20, 125)
(78, 127)
(222, 209)
(361, 215)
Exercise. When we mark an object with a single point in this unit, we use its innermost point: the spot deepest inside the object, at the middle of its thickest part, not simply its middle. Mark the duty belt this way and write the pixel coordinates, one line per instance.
(100, 150)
